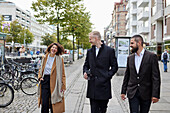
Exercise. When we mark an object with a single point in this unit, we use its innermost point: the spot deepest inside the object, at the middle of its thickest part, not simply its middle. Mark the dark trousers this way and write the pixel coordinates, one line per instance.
(98, 106)
(138, 105)
(46, 95)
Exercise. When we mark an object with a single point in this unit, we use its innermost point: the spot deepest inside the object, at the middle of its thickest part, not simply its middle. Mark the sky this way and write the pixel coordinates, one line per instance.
(100, 10)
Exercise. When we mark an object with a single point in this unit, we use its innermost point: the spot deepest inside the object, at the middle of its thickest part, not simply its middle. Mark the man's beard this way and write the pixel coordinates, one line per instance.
(134, 50)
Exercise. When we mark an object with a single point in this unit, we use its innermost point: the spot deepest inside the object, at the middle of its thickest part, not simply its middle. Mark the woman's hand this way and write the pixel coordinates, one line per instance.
(41, 79)
(62, 90)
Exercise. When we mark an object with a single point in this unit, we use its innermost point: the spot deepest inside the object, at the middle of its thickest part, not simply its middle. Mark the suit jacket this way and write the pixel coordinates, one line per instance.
(102, 68)
(147, 81)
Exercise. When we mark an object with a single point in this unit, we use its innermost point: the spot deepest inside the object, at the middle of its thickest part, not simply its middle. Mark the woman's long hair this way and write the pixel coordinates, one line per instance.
(60, 49)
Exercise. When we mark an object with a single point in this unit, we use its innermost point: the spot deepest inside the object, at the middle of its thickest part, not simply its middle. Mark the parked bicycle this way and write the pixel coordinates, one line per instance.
(6, 94)
(22, 79)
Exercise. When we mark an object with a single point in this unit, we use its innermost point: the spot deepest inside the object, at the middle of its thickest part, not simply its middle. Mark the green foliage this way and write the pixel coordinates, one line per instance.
(167, 42)
(66, 43)
(18, 34)
(15, 30)
(27, 36)
(48, 39)
(1, 19)
(69, 14)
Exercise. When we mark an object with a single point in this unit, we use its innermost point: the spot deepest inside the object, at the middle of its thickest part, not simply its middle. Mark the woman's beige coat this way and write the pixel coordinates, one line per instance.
(60, 106)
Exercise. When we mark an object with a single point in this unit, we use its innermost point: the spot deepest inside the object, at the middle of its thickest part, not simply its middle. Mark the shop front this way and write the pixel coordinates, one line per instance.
(2, 47)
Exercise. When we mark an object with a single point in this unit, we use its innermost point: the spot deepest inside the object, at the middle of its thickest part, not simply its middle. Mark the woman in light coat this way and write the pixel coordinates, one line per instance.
(52, 80)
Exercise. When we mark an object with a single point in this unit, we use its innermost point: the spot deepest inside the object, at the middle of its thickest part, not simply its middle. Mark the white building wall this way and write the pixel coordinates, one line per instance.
(143, 26)
(27, 21)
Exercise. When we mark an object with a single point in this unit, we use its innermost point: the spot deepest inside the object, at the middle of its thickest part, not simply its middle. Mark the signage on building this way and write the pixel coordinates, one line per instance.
(7, 17)
(6, 22)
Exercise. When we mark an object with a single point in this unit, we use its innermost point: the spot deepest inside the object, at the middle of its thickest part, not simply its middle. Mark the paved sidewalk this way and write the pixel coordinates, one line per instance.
(163, 106)
(75, 95)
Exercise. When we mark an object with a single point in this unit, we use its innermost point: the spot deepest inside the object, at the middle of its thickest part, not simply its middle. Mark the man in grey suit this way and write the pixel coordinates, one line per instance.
(142, 78)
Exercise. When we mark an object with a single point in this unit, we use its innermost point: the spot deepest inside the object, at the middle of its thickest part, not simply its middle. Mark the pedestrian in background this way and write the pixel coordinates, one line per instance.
(99, 67)
(31, 52)
(22, 50)
(52, 80)
(142, 78)
(38, 52)
(165, 59)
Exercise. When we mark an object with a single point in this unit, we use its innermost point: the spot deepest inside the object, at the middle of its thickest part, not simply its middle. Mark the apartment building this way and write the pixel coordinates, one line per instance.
(138, 18)
(11, 12)
(160, 26)
(117, 26)
(119, 18)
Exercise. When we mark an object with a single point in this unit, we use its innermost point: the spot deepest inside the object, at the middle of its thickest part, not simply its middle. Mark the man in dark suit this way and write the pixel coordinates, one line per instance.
(102, 64)
(142, 78)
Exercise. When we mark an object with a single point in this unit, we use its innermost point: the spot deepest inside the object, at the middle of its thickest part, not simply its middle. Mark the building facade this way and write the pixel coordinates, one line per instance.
(119, 18)
(160, 26)
(117, 26)
(138, 18)
(11, 12)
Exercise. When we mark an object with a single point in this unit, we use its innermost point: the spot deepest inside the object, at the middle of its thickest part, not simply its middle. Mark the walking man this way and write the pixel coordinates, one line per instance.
(142, 78)
(165, 59)
(99, 67)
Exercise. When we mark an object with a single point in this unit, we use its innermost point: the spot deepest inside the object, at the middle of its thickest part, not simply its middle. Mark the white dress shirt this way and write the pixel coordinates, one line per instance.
(138, 60)
(97, 51)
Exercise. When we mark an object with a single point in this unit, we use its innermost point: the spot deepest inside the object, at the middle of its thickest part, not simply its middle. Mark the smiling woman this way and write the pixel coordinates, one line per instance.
(52, 80)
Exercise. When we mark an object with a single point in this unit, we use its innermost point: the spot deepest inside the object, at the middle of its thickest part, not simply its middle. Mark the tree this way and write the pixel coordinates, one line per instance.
(48, 39)
(1, 19)
(52, 11)
(67, 44)
(26, 37)
(15, 30)
(77, 24)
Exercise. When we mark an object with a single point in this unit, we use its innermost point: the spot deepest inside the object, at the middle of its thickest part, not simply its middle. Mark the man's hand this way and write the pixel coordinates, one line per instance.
(123, 96)
(155, 100)
(85, 76)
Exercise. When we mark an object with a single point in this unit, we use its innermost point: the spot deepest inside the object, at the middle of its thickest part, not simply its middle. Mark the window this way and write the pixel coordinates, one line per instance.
(118, 8)
(118, 17)
(134, 17)
(134, 29)
(124, 8)
(134, 5)
(167, 3)
(118, 26)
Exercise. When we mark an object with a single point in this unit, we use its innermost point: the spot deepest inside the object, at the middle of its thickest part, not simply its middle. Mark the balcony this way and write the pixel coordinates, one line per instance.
(158, 16)
(134, 11)
(134, 23)
(143, 16)
(127, 16)
(133, 1)
(127, 6)
(143, 3)
(127, 26)
(143, 30)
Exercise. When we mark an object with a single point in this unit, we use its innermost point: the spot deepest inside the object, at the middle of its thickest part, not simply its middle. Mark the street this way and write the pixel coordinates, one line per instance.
(75, 95)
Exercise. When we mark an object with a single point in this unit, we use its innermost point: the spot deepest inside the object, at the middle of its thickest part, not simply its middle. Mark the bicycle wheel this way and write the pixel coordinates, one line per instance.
(29, 86)
(7, 76)
(5, 68)
(6, 95)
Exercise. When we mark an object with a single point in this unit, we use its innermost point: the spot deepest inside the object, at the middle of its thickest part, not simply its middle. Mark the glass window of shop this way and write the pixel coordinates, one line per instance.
(2, 50)
(167, 47)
